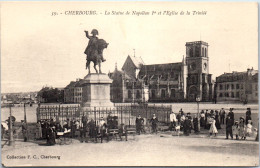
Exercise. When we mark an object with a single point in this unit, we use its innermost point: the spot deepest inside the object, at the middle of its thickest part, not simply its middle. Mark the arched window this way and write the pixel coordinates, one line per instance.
(153, 93)
(172, 93)
(138, 95)
(163, 93)
(129, 94)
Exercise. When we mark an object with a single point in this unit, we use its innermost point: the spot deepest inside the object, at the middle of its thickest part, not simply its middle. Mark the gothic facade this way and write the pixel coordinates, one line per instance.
(171, 82)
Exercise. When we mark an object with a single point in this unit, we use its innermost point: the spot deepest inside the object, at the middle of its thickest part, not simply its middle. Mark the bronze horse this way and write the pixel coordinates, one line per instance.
(96, 55)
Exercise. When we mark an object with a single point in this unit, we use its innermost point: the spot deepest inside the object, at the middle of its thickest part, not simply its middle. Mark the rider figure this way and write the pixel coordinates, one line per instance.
(92, 44)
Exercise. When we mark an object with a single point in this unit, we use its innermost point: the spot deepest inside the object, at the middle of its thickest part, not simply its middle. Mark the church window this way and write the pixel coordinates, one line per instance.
(197, 51)
(172, 93)
(162, 93)
(129, 94)
(138, 95)
(153, 93)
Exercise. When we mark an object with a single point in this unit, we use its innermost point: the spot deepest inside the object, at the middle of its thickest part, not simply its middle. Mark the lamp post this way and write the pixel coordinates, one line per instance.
(25, 120)
(198, 105)
(11, 136)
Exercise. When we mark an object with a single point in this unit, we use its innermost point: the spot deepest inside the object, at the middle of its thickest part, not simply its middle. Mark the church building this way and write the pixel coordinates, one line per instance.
(171, 82)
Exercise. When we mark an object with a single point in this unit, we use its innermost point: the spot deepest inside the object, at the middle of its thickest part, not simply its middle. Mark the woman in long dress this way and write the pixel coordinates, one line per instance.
(213, 128)
(249, 128)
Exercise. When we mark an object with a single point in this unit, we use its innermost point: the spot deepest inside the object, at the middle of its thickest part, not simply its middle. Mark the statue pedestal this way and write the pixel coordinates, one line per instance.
(96, 92)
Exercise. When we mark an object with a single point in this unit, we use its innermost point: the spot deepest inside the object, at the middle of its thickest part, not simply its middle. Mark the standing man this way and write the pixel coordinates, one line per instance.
(173, 121)
(139, 120)
(222, 115)
(229, 124)
(179, 117)
(154, 122)
(231, 115)
(187, 126)
(110, 121)
(248, 115)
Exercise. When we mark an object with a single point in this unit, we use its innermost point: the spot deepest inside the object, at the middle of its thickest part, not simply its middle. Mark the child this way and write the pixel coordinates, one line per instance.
(178, 129)
(236, 129)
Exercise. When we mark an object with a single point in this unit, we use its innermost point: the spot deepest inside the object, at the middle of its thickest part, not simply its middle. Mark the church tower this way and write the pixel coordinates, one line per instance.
(199, 80)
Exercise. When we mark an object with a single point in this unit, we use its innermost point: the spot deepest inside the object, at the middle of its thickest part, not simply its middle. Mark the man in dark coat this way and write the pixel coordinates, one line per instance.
(248, 115)
(229, 124)
(187, 126)
(51, 135)
(139, 120)
(222, 116)
(231, 115)
(178, 117)
(154, 122)
(109, 121)
(92, 128)
(196, 123)
(217, 119)
(73, 127)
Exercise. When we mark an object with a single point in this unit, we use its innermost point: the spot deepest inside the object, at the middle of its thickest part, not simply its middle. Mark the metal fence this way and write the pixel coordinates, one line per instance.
(125, 114)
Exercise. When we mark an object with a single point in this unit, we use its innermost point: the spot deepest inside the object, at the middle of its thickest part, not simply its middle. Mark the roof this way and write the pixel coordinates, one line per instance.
(72, 84)
(238, 76)
(120, 72)
(159, 68)
(138, 61)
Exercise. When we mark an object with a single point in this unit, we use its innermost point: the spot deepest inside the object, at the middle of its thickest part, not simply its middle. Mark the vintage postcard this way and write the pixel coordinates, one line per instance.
(129, 84)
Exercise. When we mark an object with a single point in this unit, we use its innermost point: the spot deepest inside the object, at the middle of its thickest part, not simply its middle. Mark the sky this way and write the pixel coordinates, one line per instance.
(38, 49)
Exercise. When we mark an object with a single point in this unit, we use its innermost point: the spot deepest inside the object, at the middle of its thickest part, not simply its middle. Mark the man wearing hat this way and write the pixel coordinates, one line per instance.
(154, 122)
(222, 114)
(231, 114)
(139, 120)
(92, 44)
(248, 115)
(229, 124)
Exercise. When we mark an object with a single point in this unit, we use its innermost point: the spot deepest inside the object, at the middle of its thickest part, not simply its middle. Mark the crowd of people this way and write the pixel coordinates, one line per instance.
(50, 129)
(213, 120)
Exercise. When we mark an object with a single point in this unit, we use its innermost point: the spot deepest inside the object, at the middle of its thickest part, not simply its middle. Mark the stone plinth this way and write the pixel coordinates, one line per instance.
(96, 91)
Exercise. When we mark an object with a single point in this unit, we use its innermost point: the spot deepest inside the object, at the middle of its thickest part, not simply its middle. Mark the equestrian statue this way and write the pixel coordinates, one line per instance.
(94, 50)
